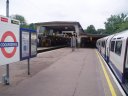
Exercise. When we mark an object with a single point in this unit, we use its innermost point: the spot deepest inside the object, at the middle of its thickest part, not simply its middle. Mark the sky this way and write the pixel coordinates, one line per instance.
(86, 12)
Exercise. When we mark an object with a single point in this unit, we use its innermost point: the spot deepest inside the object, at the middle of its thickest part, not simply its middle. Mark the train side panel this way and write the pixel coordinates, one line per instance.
(117, 58)
(115, 53)
(108, 47)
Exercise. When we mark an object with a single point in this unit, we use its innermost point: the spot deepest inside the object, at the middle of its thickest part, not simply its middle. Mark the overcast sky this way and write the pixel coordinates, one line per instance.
(86, 12)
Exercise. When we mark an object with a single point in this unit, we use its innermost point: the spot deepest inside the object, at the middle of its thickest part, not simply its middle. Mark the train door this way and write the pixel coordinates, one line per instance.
(109, 40)
(100, 47)
(108, 50)
(105, 50)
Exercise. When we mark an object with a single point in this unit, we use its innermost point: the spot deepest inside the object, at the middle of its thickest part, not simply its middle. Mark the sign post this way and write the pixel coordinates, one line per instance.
(7, 66)
(28, 66)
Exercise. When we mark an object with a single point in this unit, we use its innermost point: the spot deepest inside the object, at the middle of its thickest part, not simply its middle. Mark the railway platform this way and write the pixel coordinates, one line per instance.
(65, 73)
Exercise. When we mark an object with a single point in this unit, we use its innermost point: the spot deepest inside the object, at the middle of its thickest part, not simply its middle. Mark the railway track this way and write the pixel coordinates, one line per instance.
(40, 50)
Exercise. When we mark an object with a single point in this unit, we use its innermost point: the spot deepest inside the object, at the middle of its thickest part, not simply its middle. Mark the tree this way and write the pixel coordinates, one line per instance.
(116, 23)
(91, 29)
(32, 26)
(22, 20)
(101, 31)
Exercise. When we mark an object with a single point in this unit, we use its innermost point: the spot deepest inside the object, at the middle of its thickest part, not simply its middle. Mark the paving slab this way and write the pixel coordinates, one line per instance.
(77, 73)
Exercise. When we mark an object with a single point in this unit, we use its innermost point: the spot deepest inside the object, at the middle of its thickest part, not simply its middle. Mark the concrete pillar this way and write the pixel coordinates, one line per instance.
(51, 32)
(38, 29)
(79, 41)
(77, 30)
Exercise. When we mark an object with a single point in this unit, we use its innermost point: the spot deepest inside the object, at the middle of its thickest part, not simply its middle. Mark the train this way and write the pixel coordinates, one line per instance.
(114, 49)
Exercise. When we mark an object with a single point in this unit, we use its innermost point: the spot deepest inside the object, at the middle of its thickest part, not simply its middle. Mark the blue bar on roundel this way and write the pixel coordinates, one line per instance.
(8, 44)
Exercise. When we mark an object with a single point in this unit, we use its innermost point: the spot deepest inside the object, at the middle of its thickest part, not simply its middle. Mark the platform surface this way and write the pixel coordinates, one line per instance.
(77, 73)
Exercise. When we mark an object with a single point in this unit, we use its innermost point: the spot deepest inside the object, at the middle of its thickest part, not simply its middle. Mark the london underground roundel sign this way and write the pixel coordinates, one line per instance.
(9, 40)
(4, 44)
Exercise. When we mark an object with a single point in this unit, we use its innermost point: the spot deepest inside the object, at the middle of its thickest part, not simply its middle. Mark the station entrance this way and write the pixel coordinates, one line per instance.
(58, 33)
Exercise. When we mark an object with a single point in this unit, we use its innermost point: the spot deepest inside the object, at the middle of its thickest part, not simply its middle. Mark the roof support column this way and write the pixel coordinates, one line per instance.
(77, 31)
(38, 29)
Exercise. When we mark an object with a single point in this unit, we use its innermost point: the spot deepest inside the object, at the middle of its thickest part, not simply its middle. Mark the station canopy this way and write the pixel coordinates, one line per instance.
(61, 25)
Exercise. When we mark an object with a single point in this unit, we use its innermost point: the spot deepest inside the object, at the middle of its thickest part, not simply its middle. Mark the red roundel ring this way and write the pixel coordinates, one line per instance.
(6, 54)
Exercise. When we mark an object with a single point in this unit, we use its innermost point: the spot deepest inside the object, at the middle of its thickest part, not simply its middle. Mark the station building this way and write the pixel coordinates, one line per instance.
(67, 29)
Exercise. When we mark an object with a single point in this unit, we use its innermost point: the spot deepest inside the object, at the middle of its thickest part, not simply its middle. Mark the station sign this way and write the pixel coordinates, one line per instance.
(9, 40)
(25, 46)
(28, 43)
(33, 37)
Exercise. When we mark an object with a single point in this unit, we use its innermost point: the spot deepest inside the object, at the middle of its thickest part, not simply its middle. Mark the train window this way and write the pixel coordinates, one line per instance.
(112, 45)
(126, 65)
(103, 43)
(118, 47)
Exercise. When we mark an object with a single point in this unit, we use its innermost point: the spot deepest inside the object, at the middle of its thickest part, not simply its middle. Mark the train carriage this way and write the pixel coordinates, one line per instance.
(115, 53)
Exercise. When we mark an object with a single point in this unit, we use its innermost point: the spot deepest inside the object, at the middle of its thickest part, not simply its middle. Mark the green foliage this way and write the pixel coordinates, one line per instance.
(32, 26)
(20, 18)
(116, 23)
(91, 29)
(23, 22)
(101, 31)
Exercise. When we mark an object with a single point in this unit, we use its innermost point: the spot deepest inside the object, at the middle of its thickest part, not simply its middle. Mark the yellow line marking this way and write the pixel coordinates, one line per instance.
(106, 76)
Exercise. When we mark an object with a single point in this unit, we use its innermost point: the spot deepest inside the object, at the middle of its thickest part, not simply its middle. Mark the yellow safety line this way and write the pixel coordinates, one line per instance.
(107, 77)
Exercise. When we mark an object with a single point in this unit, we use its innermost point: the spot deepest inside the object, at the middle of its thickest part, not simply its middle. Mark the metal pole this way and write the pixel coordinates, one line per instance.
(7, 66)
(28, 66)
(7, 8)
